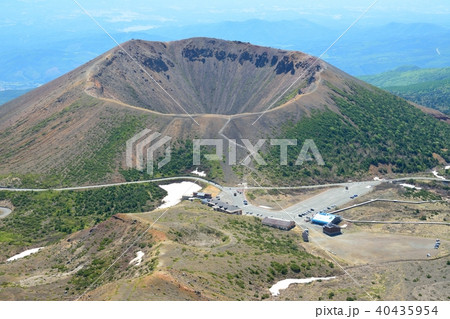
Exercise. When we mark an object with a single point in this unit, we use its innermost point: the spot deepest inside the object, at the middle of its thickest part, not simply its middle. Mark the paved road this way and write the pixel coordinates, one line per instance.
(336, 196)
(193, 178)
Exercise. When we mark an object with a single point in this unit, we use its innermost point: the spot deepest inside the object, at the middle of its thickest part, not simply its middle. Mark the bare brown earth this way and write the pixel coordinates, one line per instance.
(387, 261)
(55, 128)
(191, 253)
(195, 253)
(214, 191)
(404, 280)
(281, 199)
(206, 75)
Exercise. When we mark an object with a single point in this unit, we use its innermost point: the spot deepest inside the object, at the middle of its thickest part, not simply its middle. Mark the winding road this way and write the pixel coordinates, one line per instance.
(338, 194)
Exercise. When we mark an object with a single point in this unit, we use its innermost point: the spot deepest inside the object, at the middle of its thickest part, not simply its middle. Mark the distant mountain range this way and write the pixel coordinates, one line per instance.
(428, 87)
(363, 50)
(9, 95)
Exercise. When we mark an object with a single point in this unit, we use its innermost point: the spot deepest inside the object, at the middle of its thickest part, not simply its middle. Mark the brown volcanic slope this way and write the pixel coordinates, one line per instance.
(75, 127)
(203, 75)
(54, 128)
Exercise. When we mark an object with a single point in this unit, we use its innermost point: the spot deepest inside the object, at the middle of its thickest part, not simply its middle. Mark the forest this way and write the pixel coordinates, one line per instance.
(374, 128)
(45, 217)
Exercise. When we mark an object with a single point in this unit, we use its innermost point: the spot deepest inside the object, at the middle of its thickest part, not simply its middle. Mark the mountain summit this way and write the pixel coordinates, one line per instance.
(205, 76)
(74, 129)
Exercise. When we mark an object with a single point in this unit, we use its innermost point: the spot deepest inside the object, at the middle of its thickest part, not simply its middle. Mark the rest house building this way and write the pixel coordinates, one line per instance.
(324, 219)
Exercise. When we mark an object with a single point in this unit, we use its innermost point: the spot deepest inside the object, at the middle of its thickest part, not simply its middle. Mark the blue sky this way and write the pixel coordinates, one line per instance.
(42, 39)
(127, 15)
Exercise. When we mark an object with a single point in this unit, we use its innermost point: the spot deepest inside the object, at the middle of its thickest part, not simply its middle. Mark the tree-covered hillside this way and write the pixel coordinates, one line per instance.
(428, 87)
(374, 128)
(43, 217)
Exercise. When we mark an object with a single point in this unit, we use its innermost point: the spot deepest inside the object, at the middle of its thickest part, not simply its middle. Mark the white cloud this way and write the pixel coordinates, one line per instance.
(126, 16)
(114, 16)
(137, 28)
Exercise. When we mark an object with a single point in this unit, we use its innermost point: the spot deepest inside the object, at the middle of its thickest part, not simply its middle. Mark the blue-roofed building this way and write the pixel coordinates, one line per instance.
(325, 218)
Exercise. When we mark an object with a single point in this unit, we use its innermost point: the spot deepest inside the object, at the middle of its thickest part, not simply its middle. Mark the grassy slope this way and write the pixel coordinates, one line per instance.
(43, 217)
(246, 260)
(219, 256)
(375, 128)
(428, 87)
(403, 76)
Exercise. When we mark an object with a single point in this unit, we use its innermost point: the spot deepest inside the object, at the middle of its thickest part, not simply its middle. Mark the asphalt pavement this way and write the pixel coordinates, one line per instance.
(327, 200)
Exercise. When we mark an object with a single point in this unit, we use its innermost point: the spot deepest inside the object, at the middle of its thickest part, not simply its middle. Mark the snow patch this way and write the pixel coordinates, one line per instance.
(176, 191)
(24, 254)
(137, 261)
(283, 284)
(196, 172)
(410, 186)
(435, 173)
(4, 211)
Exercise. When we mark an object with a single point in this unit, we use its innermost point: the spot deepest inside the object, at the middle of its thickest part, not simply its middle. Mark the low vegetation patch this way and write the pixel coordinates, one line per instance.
(49, 215)
(374, 128)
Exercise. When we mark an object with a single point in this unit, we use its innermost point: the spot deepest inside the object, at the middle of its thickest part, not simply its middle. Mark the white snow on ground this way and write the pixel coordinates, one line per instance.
(196, 172)
(137, 261)
(25, 253)
(410, 186)
(266, 207)
(4, 211)
(283, 284)
(175, 192)
(435, 173)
